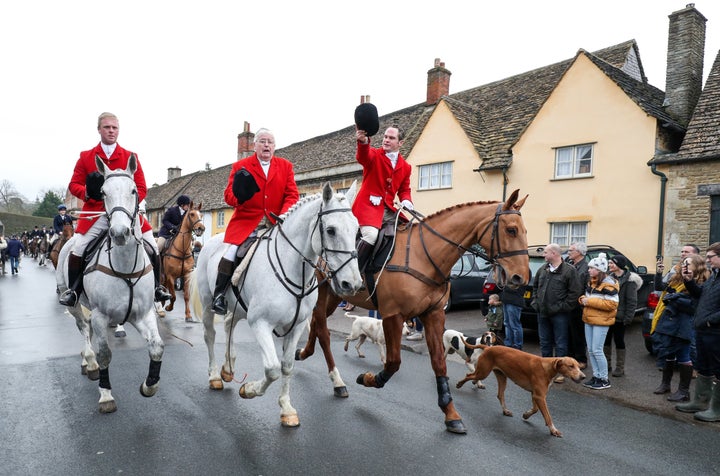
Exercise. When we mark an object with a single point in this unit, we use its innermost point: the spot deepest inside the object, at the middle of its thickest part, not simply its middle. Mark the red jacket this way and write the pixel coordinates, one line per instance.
(380, 180)
(278, 192)
(86, 165)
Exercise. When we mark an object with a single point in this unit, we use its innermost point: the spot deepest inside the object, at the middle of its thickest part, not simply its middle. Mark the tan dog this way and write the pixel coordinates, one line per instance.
(531, 372)
(453, 343)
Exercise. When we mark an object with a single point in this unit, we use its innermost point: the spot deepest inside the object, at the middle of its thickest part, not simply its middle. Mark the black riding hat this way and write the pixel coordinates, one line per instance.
(183, 200)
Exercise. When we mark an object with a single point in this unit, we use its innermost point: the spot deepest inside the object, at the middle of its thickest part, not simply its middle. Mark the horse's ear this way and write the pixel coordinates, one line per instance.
(520, 203)
(351, 193)
(132, 164)
(327, 192)
(512, 202)
(100, 165)
(199, 207)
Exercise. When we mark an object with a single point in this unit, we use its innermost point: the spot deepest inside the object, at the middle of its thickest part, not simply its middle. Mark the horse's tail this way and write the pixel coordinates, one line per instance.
(195, 301)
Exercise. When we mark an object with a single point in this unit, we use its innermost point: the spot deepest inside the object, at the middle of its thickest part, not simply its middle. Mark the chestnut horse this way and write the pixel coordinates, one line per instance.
(415, 282)
(178, 259)
(67, 232)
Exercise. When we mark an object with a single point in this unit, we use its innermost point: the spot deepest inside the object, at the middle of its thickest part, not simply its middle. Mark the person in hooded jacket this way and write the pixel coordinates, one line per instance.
(600, 303)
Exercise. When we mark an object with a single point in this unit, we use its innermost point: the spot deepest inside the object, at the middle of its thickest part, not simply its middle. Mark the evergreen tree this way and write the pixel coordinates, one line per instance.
(48, 206)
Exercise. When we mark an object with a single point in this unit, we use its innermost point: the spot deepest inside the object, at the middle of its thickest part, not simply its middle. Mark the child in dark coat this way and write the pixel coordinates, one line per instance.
(494, 317)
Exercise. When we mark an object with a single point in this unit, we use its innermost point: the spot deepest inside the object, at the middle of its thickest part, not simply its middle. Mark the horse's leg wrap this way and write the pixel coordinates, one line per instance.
(154, 373)
(378, 380)
(105, 379)
(443, 390)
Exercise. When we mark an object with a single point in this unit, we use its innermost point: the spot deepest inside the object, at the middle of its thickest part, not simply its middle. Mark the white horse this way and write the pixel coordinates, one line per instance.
(280, 288)
(118, 283)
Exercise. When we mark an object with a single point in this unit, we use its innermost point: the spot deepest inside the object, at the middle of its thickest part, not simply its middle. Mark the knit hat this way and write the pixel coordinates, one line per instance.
(599, 263)
(620, 261)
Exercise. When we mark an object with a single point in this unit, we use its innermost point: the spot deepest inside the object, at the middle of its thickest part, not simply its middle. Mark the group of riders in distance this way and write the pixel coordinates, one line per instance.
(308, 254)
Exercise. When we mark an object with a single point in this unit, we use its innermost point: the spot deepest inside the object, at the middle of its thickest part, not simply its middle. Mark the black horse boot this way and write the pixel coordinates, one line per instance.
(364, 250)
(225, 270)
(161, 292)
(70, 296)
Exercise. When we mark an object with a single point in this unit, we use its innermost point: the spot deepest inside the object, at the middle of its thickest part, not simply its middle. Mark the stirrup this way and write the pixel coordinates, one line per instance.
(219, 305)
(162, 294)
(68, 298)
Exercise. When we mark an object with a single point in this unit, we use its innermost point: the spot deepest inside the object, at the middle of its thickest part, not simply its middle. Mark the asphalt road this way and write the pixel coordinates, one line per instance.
(50, 423)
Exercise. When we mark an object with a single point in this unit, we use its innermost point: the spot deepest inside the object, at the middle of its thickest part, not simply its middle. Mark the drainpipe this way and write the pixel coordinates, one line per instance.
(663, 186)
(505, 183)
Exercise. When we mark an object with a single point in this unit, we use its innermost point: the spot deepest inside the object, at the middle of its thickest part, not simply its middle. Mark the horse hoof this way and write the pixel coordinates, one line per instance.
(120, 334)
(169, 308)
(340, 392)
(190, 320)
(93, 374)
(226, 376)
(83, 370)
(243, 393)
(455, 426)
(150, 391)
(108, 407)
(289, 421)
(216, 385)
(298, 354)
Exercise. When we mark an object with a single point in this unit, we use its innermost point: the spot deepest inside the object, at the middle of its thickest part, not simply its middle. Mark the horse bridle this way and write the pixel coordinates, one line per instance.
(306, 289)
(492, 258)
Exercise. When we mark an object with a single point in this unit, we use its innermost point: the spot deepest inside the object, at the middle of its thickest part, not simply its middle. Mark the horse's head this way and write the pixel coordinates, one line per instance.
(335, 242)
(195, 219)
(509, 243)
(120, 196)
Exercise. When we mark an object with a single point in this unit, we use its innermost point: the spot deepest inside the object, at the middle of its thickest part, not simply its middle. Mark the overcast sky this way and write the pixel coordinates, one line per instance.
(183, 76)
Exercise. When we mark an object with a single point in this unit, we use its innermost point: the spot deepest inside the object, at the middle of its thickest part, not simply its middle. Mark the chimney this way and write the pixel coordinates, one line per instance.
(686, 48)
(245, 142)
(364, 99)
(438, 82)
(173, 173)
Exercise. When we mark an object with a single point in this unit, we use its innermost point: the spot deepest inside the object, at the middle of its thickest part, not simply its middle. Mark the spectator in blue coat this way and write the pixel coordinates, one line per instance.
(14, 248)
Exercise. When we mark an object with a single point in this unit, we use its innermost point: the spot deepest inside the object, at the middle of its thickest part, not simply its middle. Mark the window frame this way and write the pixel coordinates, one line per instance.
(443, 178)
(571, 235)
(576, 161)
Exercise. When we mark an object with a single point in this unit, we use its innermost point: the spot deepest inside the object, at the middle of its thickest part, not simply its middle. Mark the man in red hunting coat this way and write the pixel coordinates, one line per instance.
(386, 174)
(258, 186)
(86, 184)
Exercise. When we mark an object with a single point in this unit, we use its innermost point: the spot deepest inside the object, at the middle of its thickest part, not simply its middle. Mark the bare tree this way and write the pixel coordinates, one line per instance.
(11, 201)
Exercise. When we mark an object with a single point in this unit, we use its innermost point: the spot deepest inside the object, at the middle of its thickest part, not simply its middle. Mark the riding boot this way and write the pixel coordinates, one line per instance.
(619, 370)
(683, 391)
(70, 296)
(607, 350)
(713, 411)
(667, 374)
(225, 270)
(703, 389)
(161, 292)
(364, 250)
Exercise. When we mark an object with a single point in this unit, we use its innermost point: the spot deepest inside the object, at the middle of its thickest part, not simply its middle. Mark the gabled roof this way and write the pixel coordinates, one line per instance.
(493, 116)
(702, 140)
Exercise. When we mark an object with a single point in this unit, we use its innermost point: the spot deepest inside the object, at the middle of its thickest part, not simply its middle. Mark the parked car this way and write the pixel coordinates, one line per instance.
(528, 316)
(467, 277)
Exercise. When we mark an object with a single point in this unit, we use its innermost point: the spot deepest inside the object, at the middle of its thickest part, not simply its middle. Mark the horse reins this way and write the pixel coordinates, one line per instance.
(310, 284)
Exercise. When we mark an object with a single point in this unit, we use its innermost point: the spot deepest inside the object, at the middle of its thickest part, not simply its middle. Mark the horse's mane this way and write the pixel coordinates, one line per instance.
(299, 203)
(458, 206)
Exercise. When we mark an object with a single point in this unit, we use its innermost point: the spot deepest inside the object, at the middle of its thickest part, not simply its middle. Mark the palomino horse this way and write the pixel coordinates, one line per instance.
(279, 288)
(415, 280)
(178, 259)
(67, 232)
(119, 285)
